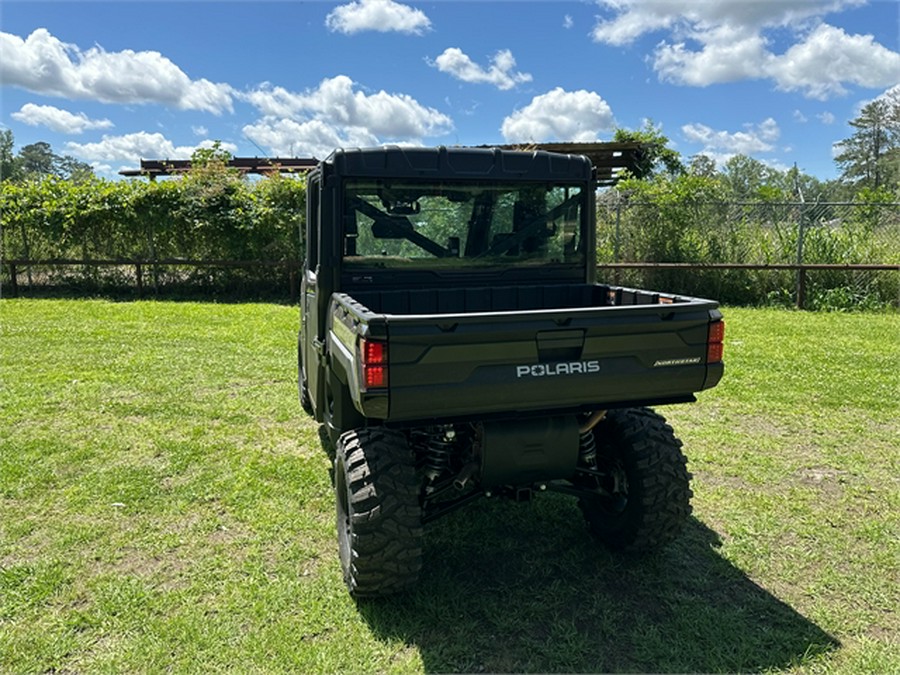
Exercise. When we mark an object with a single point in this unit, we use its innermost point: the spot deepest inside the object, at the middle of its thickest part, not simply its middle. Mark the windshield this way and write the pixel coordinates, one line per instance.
(426, 224)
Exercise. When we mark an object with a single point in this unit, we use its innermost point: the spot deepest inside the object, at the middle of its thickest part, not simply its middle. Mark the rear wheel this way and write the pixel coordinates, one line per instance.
(379, 519)
(644, 501)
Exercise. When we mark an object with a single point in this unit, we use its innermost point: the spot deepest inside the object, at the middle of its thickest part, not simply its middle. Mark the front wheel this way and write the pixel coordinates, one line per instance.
(644, 501)
(379, 519)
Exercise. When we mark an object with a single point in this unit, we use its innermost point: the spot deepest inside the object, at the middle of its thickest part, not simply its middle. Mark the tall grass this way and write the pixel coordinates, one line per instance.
(682, 230)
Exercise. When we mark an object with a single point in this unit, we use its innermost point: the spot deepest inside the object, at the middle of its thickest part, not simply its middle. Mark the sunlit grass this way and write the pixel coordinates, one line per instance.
(165, 505)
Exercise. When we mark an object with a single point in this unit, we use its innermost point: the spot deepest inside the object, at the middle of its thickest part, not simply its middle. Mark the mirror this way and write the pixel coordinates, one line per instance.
(399, 208)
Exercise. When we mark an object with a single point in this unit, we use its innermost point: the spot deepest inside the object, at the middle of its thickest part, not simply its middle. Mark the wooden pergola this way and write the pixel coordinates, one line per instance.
(610, 160)
(256, 165)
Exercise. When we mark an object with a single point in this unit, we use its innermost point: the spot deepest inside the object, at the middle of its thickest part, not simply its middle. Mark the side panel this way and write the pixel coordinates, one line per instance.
(312, 329)
(348, 323)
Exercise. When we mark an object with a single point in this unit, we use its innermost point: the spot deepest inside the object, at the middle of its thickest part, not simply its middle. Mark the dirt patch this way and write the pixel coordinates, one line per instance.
(827, 480)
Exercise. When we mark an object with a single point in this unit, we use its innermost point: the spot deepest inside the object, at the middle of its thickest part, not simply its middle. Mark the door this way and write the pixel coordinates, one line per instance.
(312, 333)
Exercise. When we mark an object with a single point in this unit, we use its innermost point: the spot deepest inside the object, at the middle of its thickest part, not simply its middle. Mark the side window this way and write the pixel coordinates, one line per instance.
(312, 224)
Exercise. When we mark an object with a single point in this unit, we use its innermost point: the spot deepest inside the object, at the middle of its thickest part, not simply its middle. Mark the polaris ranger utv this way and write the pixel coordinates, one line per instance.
(456, 345)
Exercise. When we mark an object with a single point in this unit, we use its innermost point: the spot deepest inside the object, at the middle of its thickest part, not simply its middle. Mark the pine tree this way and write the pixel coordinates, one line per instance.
(869, 158)
(9, 167)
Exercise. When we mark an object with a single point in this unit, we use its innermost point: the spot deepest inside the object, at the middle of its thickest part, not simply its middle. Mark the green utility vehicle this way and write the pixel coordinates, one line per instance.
(455, 344)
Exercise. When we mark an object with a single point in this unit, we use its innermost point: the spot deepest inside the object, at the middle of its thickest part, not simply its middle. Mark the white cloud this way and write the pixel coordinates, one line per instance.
(729, 40)
(349, 113)
(61, 121)
(132, 148)
(828, 57)
(384, 16)
(727, 56)
(43, 64)
(800, 117)
(634, 18)
(826, 118)
(892, 95)
(501, 72)
(200, 130)
(274, 101)
(568, 21)
(559, 115)
(289, 138)
(101, 168)
(721, 145)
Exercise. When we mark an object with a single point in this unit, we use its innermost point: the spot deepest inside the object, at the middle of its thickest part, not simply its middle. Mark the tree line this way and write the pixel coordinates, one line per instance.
(748, 212)
(53, 206)
(36, 161)
(869, 159)
(869, 162)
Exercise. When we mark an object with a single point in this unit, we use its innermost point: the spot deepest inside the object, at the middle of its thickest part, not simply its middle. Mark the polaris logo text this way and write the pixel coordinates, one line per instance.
(552, 369)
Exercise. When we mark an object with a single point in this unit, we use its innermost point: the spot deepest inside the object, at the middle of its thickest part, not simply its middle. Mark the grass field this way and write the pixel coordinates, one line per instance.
(165, 505)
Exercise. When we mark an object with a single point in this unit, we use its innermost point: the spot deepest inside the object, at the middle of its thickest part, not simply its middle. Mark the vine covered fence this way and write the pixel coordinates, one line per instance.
(208, 231)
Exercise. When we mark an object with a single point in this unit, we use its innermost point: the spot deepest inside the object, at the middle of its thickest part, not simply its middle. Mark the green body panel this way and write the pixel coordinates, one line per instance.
(475, 328)
(458, 365)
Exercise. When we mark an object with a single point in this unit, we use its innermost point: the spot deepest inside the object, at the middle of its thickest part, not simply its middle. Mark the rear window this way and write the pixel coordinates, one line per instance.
(426, 225)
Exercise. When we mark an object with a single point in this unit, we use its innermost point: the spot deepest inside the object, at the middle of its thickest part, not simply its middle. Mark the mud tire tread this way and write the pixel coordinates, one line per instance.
(659, 495)
(381, 535)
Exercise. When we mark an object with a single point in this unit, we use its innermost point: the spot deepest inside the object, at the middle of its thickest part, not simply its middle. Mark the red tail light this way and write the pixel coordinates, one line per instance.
(376, 376)
(714, 342)
(374, 363)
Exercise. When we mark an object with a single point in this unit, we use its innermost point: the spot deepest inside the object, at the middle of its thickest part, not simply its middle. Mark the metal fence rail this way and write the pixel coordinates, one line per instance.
(17, 267)
(757, 232)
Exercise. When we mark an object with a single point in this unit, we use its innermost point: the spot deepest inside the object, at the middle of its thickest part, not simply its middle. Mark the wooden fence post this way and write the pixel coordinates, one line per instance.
(801, 271)
(801, 288)
(293, 282)
(139, 275)
(13, 280)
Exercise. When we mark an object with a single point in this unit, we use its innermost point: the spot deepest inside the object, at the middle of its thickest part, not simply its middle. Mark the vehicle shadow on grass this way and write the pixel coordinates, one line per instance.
(522, 588)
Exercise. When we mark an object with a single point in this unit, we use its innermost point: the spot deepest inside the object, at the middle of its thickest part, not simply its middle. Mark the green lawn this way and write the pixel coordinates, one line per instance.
(165, 505)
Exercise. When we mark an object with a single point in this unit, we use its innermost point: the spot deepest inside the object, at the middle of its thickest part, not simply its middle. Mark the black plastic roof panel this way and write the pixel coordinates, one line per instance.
(461, 162)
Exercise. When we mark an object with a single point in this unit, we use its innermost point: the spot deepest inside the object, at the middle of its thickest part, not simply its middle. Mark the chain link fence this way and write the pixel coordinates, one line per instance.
(836, 255)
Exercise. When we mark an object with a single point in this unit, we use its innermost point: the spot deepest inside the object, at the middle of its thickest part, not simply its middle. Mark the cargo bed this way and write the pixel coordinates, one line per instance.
(521, 349)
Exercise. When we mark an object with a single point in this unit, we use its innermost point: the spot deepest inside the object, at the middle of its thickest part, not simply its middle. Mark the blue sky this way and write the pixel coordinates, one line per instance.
(113, 82)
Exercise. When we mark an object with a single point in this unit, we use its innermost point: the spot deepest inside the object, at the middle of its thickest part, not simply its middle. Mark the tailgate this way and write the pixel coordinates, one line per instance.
(509, 362)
